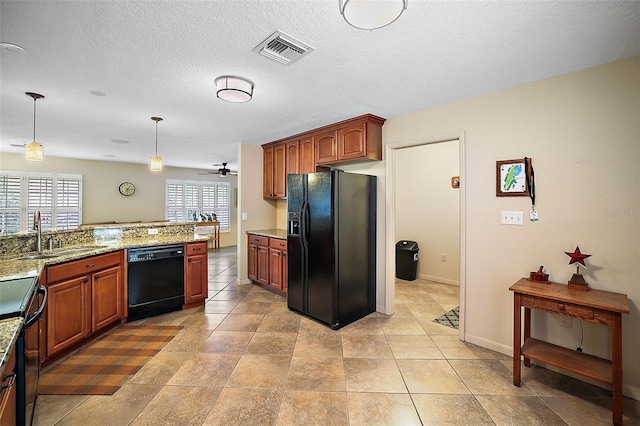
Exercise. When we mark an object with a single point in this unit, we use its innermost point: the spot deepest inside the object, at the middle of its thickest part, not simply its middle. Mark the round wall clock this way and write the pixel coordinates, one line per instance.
(127, 188)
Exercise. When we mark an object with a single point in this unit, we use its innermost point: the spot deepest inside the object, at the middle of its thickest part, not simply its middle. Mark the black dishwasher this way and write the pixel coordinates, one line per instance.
(155, 280)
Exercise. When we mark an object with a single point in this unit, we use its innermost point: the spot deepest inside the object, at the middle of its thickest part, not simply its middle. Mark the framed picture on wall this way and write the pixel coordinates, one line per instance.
(511, 178)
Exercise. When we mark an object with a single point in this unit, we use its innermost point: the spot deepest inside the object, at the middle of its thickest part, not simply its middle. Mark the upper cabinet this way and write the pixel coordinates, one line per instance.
(354, 140)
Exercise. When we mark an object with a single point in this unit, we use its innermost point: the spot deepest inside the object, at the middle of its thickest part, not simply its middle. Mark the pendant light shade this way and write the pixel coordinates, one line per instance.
(156, 162)
(34, 150)
(234, 89)
(371, 14)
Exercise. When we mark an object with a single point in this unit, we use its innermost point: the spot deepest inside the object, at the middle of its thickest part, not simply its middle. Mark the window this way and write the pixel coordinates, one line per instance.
(57, 196)
(184, 199)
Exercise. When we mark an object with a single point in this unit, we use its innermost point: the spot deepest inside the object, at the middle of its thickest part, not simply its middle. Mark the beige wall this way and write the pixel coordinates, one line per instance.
(427, 207)
(261, 214)
(582, 131)
(101, 200)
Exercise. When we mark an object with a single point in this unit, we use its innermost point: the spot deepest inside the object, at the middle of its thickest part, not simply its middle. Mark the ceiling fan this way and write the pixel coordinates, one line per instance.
(222, 171)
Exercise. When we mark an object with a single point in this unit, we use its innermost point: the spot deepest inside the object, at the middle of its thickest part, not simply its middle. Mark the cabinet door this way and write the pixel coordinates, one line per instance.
(326, 149)
(279, 171)
(196, 281)
(252, 262)
(267, 173)
(8, 393)
(352, 142)
(107, 295)
(283, 256)
(293, 157)
(307, 155)
(275, 268)
(262, 267)
(68, 313)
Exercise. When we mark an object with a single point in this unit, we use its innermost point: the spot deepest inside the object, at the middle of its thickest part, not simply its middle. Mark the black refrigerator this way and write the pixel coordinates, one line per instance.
(331, 246)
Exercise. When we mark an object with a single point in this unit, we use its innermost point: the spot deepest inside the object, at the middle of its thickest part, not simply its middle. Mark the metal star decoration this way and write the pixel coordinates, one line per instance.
(577, 257)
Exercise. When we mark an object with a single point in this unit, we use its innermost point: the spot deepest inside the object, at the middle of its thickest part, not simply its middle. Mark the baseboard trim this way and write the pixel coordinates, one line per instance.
(440, 279)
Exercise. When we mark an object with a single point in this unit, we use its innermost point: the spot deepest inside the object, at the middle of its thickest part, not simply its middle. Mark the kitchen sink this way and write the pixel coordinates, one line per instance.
(57, 253)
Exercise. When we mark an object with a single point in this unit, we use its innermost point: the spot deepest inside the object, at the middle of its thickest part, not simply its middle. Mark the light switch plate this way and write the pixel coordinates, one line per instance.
(152, 231)
(512, 217)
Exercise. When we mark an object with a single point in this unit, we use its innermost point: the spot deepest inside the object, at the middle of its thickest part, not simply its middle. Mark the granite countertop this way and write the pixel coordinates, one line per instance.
(271, 233)
(9, 331)
(10, 268)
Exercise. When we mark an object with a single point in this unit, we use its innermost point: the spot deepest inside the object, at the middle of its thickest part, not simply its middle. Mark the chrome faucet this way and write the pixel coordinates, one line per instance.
(37, 226)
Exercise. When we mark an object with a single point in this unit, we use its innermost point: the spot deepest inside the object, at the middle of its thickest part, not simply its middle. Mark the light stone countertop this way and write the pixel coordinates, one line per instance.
(271, 233)
(9, 331)
(12, 269)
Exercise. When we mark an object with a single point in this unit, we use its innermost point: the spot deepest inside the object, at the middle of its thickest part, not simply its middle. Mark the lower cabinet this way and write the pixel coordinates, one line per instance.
(267, 262)
(8, 408)
(84, 296)
(196, 269)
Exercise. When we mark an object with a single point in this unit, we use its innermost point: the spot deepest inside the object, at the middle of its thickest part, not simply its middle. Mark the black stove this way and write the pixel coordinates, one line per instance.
(15, 296)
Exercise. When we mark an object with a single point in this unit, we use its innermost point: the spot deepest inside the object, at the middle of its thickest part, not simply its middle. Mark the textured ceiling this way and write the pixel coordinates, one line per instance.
(160, 58)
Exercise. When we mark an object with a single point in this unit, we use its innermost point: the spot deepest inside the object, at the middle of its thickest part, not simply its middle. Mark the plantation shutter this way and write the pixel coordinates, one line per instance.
(10, 205)
(184, 199)
(68, 202)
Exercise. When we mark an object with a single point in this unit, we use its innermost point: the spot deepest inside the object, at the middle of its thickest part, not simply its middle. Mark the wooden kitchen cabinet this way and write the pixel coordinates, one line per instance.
(326, 147)
(8, 393)
(68, 313)
(85, 296)
(278, 264)
(267, 262)
(307, 155)
(196, 278)
(274, 172)
(354, 140)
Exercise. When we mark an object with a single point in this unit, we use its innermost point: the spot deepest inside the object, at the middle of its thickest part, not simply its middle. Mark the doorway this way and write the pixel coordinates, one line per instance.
(403, 159)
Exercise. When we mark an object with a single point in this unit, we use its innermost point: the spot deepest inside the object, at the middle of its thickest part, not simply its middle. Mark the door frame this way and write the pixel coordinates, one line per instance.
(390, 207)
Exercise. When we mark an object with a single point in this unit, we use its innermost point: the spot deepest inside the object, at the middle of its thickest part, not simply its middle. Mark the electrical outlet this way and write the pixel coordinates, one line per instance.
(566, 322)
(443, 257)
(152, 231)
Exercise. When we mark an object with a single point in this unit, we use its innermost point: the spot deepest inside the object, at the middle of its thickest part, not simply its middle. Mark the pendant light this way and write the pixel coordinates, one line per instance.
(371, 14)
(156, 162)
(33, 150)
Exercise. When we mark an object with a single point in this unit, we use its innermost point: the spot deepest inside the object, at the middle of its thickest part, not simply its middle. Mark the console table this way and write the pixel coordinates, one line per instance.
(596, 306)
(215, 235)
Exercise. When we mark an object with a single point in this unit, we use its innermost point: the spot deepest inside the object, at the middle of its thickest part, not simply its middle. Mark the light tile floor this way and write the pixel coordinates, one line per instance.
(245, 359)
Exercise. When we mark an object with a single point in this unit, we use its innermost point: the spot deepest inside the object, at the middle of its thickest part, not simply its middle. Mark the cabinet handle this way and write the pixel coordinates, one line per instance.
(197, 249)
(11, 383)
(561, 306)
(86, 280)
(97, 277)
(189, 260)
(91, 265)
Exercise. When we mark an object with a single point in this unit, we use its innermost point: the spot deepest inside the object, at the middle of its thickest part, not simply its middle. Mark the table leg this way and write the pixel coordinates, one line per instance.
(616, 368)
(516, 339)
(527, 332)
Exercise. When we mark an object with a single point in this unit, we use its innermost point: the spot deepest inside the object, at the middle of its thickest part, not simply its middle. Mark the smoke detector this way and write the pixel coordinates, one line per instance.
(283, 48)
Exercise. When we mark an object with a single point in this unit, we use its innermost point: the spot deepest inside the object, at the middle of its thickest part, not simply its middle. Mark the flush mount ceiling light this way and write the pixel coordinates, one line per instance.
(156, 162)
(371, 14)
(33, 150)
(234, 89)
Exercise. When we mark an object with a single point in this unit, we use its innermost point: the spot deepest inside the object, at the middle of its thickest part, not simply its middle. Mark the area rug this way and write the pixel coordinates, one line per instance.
(104, 365)
(450, 319)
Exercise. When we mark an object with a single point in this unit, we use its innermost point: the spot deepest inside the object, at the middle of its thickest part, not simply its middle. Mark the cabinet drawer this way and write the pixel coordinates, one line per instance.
(556, 307)
(261, 241)
(278, 243)
(82, 266)
(196, 248)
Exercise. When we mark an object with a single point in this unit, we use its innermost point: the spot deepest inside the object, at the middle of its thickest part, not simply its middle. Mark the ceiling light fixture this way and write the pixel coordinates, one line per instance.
(33, 150)
(371, 14)
(156, 162)
(234, 89)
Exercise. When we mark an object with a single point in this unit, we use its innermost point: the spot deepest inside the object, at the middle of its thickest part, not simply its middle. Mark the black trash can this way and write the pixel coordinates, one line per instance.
(406, 260)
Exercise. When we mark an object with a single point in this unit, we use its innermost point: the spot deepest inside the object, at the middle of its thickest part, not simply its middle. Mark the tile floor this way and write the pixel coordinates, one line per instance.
(244, 359)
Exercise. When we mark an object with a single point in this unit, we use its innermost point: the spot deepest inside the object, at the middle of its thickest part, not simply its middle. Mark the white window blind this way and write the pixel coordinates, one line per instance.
(57, 196)
(186, 198)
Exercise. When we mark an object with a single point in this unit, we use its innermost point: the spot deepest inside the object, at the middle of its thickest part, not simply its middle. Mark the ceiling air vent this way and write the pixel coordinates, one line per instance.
(282, 48)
